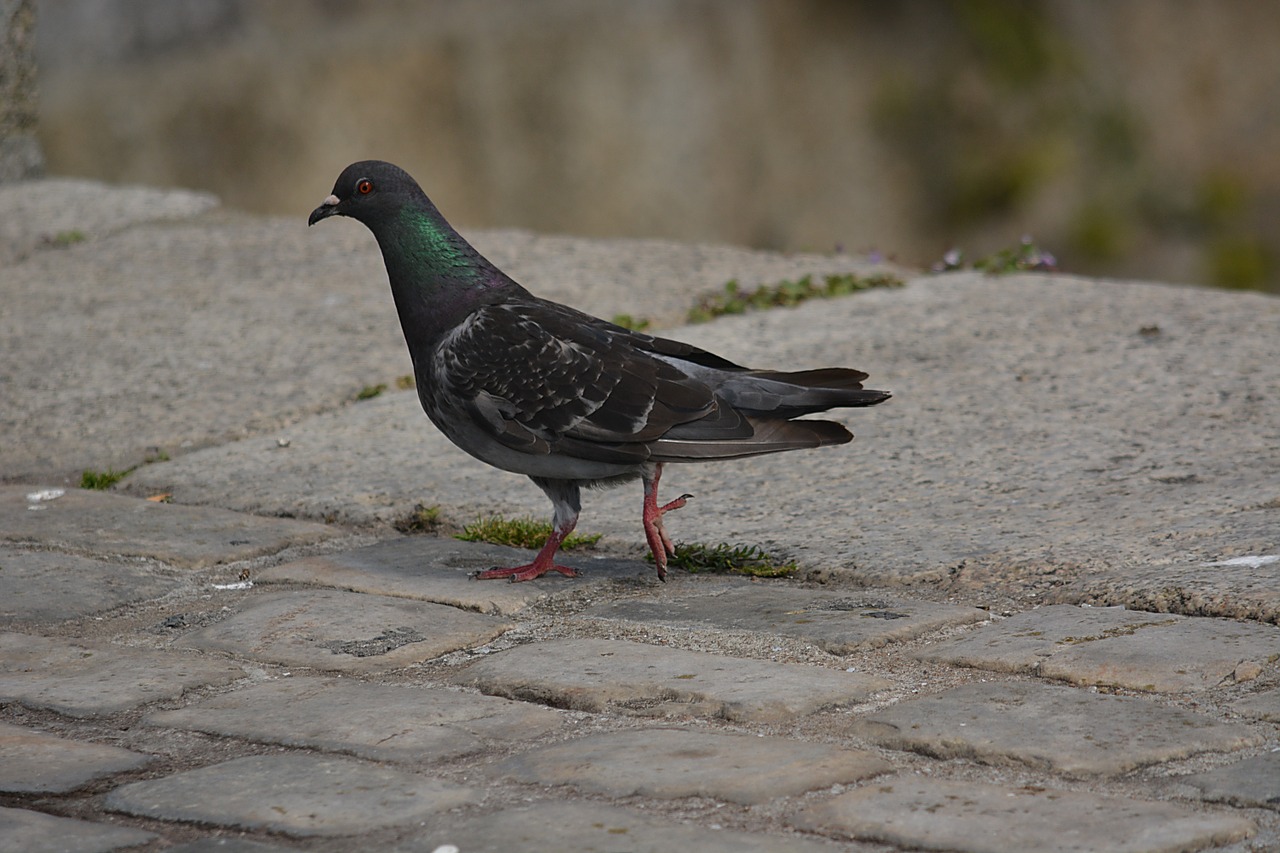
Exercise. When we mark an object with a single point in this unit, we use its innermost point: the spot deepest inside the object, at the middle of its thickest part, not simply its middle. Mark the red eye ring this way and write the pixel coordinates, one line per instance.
(364, 186)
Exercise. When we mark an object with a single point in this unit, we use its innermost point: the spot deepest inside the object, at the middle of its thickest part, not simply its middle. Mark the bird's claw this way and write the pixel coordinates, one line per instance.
(527, 572)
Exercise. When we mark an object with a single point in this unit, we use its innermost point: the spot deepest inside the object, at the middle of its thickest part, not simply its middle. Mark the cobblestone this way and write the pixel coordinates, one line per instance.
(23, 831)
(377, 721)
(597, 675)
(938, 815)
(84, 679)
(399, 567)
(33, 761)
(1114, 647)
(840, 623)
(294, 794)
(1089, 733)
(331, 630)
(677, 763)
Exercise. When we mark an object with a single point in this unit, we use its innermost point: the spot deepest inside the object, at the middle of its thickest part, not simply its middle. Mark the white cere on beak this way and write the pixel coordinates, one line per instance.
(330, 201)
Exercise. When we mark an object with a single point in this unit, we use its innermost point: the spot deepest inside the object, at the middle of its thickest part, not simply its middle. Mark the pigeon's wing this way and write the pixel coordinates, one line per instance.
(541, 378)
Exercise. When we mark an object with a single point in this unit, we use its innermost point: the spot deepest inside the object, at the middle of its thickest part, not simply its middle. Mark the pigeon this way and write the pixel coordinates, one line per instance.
(569, 400)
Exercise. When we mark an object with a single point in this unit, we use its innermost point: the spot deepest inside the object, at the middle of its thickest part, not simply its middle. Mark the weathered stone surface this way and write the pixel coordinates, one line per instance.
(839, 623)
(1022, 641)
(83, 679)
(35, 761)
(45, 586)
(40, 211)
(23, 831)
(440, 569)
(595, 828)
(1264, 705)
(1245, 587)
(918, 812)
(294, 794)
(377, 721)
(1114, 647)
(1254, 782)
(103, 523)
(1191, 654)
(678, 763)
(592, 675)
(332, 630)
(227, 845)
(1064, 729)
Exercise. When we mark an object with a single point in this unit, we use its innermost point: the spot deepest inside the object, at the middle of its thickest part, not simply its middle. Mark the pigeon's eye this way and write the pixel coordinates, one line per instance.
(364, 186)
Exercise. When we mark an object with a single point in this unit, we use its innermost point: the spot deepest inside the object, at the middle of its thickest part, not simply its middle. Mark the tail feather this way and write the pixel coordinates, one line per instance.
(789, 395)
(769, 436)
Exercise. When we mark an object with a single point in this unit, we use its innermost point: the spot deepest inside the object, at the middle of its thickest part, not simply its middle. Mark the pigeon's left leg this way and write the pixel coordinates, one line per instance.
(659, 543)
(566, 498)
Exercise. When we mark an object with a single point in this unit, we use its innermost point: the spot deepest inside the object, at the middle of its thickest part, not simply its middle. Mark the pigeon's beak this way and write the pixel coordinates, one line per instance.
(327, 208)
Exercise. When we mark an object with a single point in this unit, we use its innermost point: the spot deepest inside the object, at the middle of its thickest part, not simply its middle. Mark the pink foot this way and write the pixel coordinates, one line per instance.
(543, 563)
(527, 572)
(654, 533)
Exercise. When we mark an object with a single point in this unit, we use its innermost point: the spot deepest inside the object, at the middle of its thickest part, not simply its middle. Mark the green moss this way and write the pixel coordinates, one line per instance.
(626, 321)
(406, 382)
(423, 519)
(102, 480)
(521, 532)
(67, 238)
(786, 293)
(368, 392)
(728, 559)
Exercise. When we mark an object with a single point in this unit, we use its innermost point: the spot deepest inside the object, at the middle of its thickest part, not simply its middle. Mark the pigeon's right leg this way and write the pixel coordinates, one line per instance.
(566, 497)
(656, 535)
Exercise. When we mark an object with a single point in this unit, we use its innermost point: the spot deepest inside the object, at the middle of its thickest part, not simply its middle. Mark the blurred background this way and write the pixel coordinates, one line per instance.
(1137, 139)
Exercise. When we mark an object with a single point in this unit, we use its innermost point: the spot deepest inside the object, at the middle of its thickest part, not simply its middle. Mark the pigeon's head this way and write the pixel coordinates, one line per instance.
(367, 191)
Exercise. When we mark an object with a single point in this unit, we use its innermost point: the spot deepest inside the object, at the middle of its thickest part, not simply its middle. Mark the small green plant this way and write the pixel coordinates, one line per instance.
(786, 293)
(635, 324)
(521, 532)
(67, 238)
(102, 480)
(1024, 257)
(404, 383)
(368, 392)
(728, 559)
(423, 519)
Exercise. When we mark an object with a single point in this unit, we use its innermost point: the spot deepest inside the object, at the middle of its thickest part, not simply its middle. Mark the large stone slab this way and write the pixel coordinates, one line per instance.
(33, 761)
(224, 844)
(595, 675)
(40, 211)
(1246, 587)
(595, 828)
(1264, 705)
(378, 721)
(1109, 646)
(295, 794)
(1063, 729)
(23, 831)
(1252, 783)
(441, 569)
(102, 523)
(45, 586)
(83, 679)
(345, 631)
(838, 623)
(678, 763)
(932, 814)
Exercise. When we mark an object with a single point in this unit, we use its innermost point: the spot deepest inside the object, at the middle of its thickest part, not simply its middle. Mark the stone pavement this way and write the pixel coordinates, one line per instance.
(1037, 607)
